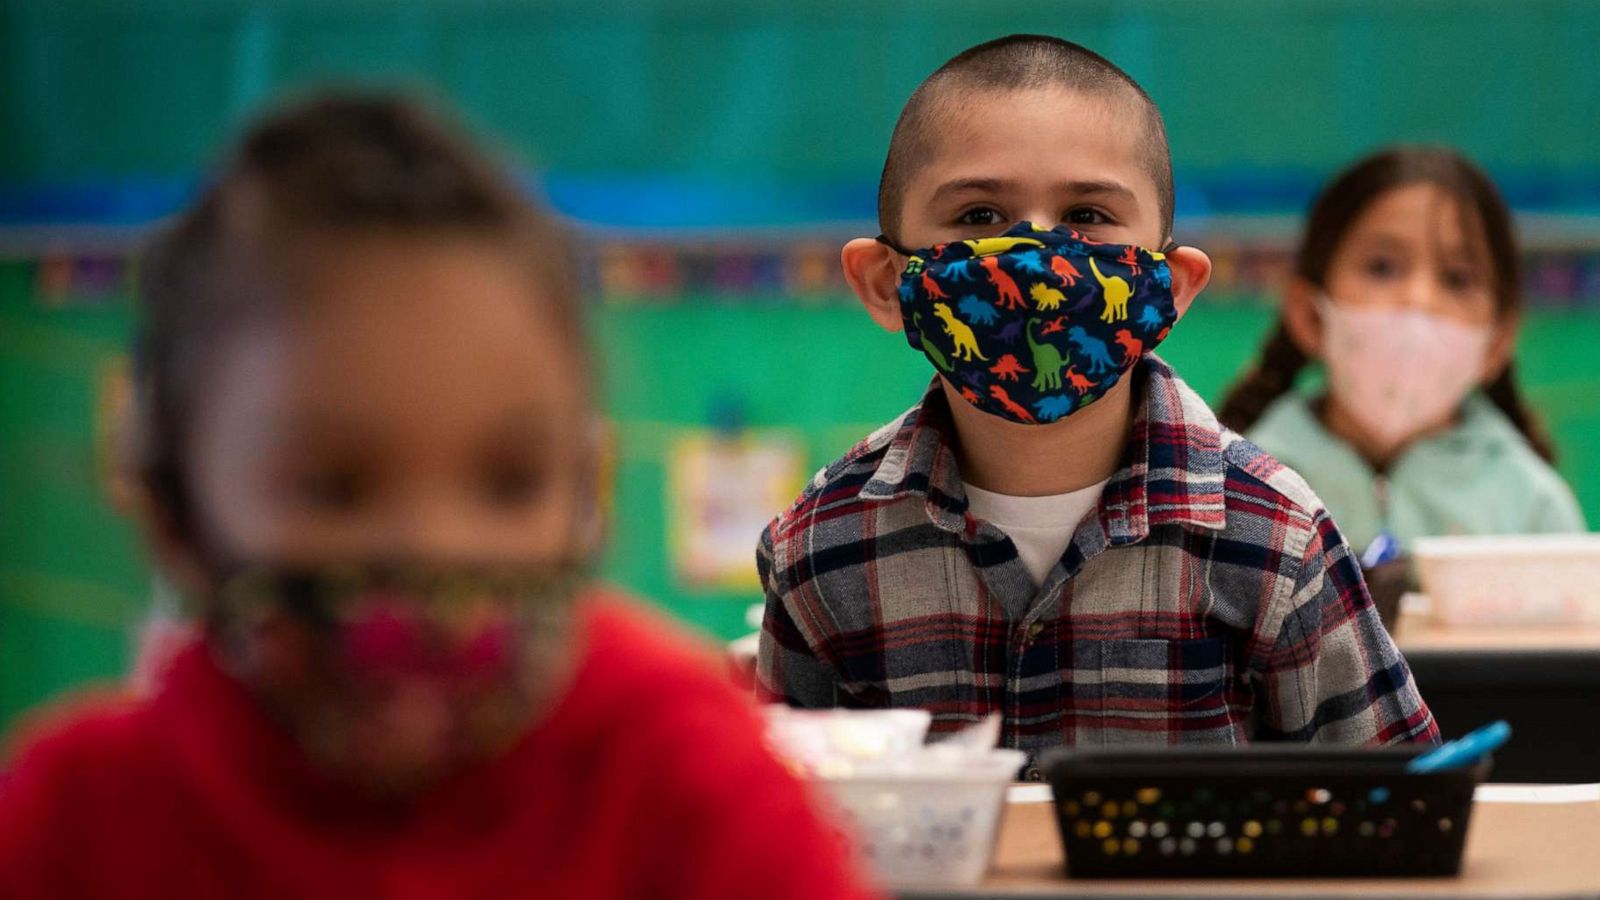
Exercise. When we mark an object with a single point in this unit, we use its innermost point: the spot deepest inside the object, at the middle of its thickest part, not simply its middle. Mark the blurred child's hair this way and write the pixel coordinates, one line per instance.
(1338, 206)
(329, 168)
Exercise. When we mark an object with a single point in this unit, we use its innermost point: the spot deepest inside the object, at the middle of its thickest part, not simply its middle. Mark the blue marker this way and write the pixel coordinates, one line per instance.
(1465, 751)
(1384, 548)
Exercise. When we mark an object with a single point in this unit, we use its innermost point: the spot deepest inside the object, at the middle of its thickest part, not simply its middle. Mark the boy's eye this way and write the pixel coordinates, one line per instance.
(1085, 215)
(332, 490)
(980, 216)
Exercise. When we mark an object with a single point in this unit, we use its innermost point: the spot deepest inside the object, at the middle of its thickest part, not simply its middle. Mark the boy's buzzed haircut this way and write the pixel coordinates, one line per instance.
(1016, 62)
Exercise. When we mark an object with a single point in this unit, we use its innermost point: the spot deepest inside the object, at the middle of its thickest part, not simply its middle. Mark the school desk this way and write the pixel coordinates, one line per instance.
(1544, 680)
(1545, 849)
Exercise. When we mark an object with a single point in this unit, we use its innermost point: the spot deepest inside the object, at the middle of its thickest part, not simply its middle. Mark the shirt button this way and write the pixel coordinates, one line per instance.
(1032, 773)
(1035, 629)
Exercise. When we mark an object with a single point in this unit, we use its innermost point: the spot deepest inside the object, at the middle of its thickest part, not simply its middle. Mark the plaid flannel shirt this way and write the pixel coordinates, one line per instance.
(1208, 599)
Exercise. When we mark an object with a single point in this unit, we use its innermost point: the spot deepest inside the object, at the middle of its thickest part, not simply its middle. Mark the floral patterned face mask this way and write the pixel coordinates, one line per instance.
(390, 677)
(1036, 324)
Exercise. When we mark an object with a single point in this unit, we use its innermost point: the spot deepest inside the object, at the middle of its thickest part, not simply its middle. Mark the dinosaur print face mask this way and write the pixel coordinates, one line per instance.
(1036, 324)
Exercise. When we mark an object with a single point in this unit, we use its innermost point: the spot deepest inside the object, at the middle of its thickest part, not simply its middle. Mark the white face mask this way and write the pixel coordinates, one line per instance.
(1398, 372)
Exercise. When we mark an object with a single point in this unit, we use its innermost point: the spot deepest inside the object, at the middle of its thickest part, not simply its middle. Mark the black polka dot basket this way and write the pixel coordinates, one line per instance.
(1258, 811)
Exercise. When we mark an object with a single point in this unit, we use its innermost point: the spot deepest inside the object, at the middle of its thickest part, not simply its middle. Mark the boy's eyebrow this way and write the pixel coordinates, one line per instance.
(962, 185)
(1114, 188)
(1000, 185)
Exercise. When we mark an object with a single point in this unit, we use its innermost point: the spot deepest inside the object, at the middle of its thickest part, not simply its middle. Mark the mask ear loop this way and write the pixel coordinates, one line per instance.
(1169, 246)
(890, 242)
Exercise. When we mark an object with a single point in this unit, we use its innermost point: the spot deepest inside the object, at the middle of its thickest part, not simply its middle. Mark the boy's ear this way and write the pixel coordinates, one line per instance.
(873, 271)
(1301, 319)
(1191, 272)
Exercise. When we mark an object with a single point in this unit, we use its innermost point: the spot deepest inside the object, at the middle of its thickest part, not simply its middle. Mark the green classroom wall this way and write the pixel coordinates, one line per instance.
(791, 89)
(801, 92)
(73, 585)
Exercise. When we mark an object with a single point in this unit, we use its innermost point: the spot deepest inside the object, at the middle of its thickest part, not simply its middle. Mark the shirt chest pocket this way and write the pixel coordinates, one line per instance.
(1153, 691)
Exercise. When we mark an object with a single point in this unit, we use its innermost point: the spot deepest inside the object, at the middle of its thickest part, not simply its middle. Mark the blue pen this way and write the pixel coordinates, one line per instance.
(1464, 751)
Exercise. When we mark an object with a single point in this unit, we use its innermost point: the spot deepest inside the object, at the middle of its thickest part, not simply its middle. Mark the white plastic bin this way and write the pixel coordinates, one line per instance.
(1511, 579)
(928, 830)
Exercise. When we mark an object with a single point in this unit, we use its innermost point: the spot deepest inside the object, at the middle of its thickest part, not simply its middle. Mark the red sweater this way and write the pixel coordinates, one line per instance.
(648, 780)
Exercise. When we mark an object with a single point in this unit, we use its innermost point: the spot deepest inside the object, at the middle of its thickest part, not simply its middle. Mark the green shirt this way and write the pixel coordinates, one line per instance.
(1480, 477)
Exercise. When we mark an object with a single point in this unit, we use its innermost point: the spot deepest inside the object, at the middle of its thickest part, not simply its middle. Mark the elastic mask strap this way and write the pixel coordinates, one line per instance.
(889, 242)
(1169, 246)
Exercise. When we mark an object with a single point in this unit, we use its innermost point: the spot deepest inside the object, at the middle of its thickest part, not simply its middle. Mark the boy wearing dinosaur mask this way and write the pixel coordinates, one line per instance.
(1060, 531)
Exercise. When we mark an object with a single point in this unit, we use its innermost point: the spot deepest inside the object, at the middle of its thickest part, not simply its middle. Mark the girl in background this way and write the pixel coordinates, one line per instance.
(1407, 292)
